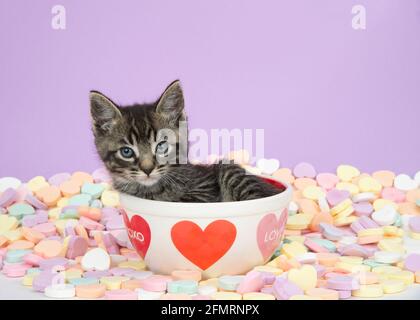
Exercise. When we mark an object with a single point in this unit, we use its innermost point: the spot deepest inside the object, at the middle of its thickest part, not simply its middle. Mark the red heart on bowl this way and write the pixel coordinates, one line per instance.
(139, 233)
(203, 248)
(269, 233)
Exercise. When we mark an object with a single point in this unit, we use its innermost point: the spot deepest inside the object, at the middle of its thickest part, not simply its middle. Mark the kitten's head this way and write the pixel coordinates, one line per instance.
(138, 143)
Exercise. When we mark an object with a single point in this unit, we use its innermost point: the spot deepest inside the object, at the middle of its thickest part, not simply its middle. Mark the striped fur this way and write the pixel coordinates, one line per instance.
(139, 127)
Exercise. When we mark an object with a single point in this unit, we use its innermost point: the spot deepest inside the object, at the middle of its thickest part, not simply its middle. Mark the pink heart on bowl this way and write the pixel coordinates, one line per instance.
(269, 233)
(335, 196)
(138, 232)
(304, 170)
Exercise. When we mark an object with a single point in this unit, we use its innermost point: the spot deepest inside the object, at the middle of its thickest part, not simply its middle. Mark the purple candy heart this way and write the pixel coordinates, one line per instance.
(284, 289)
(412, 262)
(356, 226)
(111, 243)
(414, 224)
(335, 196)
(78, 246)
(59, 178)
(304, 170)
(330, 232)
(8, 197)
(43, 280)
(39, 217)
(367, 222)
(101, 175)
(268, 278)
(35, 202)
(362, 209)
(354, 250)
(115, 223)
(343, 283)
(48, 264)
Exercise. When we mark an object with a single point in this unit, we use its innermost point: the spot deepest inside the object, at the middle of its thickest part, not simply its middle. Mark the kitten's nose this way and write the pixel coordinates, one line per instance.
(147, 166)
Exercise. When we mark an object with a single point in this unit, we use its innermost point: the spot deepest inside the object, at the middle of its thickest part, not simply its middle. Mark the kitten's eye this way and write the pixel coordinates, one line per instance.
(126, 152)
(162, 147)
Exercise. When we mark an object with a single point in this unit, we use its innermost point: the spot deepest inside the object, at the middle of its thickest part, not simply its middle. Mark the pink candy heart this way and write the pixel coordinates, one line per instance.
(327, 180)
(304, 170)
(269, 233)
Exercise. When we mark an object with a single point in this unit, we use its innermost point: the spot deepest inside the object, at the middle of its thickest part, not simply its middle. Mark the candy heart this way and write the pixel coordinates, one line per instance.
(412, 262)
(203, 248)
(404, 182)
(268, 166)
(305, 278)
(9, 182)
(417, 178)
(283, 289)
(49, 195)
(138, 232)
(269, 233)
(95, 190)
(285, 175)
(384, 177)
(304, 170)
(59, 178)
(101, 175)
(327, 180)
(77, 247)
(414, 224)
(385, 216)
(8, 197)
(96, 259)
(335, 196)
(347, 173)
(7, 223)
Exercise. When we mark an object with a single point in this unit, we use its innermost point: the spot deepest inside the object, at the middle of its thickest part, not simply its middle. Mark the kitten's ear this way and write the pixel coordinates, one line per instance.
(104, 112)
(171, 103)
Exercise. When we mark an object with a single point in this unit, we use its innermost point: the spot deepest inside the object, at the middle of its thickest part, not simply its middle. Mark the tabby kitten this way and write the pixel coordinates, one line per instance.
(133, 143)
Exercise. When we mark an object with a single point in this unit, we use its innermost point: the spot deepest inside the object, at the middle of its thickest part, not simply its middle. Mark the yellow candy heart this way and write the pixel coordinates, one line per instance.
(368, 184)
(313, 192)
(7, 223)
(379, 204)
(293, 249)
(110, 198)
(299, 221)
(347, 172)
(305, 277)
(37, 183)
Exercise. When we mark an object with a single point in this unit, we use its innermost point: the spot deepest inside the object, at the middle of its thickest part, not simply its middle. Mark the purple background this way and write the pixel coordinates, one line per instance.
(323, 92)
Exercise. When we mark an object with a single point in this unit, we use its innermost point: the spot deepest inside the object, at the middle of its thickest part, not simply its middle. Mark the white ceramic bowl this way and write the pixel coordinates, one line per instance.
(216, 238)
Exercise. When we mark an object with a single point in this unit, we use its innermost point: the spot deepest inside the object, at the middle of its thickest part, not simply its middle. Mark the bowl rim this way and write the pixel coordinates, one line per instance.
(147, 207)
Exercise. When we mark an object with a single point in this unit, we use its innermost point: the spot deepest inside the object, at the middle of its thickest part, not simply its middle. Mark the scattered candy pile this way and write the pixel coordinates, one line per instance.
(346, 235)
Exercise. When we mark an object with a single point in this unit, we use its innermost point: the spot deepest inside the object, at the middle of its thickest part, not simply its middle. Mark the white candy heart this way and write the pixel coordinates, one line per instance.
(268, 166)
(386, 216)
(60, 291)
(364, 196)
(9, 182)
(417, 178)
(387, 257)
(96, 259)
(293, 208)
(403, 182)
